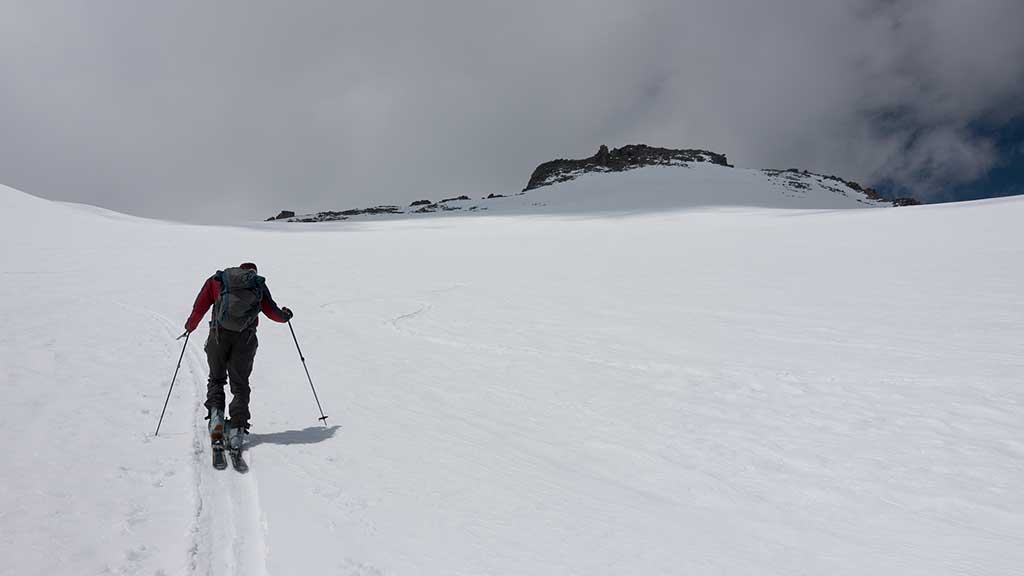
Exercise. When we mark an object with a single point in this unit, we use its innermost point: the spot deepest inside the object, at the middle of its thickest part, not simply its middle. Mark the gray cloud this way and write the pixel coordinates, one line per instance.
(223, 110)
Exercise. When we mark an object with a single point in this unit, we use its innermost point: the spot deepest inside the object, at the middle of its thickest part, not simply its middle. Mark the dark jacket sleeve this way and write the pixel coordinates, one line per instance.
(270, 309)
(207, 296)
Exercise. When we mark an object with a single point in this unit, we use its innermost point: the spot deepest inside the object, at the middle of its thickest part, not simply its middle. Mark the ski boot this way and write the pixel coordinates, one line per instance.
(216, 426)
(235, 438)
(217, 438)
(236, 435)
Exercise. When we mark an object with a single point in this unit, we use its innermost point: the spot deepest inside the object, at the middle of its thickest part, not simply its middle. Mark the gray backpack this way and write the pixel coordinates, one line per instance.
(241, 294)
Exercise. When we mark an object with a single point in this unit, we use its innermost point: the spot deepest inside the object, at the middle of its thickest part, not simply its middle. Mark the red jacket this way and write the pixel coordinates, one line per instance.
(209, 294)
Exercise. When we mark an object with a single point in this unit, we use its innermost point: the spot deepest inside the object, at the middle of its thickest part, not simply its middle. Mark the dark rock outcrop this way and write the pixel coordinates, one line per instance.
(332, 216)
(382, 210)
(906, 201)
(618, 160)
(421, 203)
(285, 214)
(326, 216)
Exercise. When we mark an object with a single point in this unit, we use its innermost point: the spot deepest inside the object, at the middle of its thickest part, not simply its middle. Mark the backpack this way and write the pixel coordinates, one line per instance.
(241, 294)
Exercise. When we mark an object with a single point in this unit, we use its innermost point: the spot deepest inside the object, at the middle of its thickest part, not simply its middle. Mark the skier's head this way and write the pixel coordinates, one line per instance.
(248, 266)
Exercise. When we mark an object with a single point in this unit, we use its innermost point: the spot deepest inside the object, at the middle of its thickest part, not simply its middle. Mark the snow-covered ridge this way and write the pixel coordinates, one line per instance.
(639, 178)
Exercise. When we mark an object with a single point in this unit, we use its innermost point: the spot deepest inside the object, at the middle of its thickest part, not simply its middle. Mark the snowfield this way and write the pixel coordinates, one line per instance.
(702, 384)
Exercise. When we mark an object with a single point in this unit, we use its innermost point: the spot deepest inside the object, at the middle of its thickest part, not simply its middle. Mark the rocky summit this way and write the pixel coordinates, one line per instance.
(618, 160)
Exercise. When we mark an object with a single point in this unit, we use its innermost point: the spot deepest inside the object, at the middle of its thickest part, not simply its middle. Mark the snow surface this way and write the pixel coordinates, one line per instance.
(701, 391)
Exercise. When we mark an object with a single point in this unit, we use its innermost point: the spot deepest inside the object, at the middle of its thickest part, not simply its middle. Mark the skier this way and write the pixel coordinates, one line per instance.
(237, 296)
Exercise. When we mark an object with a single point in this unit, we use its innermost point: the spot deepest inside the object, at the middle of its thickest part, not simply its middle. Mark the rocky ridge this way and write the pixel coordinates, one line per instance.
(794, 182)
(799, 180)
(628, 157)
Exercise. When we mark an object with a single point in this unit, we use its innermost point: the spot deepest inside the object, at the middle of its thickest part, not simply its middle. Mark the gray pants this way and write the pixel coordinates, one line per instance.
(230, 356)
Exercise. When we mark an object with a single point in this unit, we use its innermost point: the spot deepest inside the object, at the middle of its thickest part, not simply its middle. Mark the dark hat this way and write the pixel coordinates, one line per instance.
(248, 266)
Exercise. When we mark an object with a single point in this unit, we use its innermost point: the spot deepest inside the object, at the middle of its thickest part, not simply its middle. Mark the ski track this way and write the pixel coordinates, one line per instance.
(399, 320)
(227, 533)
(228, 525)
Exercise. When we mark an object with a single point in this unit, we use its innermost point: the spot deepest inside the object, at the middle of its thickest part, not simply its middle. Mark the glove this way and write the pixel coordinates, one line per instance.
(287, 313)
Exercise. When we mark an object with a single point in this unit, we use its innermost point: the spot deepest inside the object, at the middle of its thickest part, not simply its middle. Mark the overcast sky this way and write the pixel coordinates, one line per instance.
(226, 110)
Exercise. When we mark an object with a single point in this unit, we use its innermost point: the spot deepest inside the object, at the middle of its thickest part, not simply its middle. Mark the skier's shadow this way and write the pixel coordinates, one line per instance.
(311, 435)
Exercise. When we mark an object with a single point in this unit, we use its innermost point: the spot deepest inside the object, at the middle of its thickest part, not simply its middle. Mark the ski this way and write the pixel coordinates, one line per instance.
(219, 461)
(237, 462)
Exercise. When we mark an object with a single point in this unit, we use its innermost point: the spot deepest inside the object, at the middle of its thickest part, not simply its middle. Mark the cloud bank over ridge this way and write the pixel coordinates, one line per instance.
(213, 111)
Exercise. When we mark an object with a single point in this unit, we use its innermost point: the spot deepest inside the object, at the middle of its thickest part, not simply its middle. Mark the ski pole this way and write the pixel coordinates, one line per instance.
(172, 385)
(301, 357)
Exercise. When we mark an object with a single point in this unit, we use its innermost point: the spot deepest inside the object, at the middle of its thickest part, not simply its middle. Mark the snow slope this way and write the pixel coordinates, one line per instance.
(704, 391)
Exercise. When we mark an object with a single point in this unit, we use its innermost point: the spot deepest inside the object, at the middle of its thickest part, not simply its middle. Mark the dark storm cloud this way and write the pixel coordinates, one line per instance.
(219, 110)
